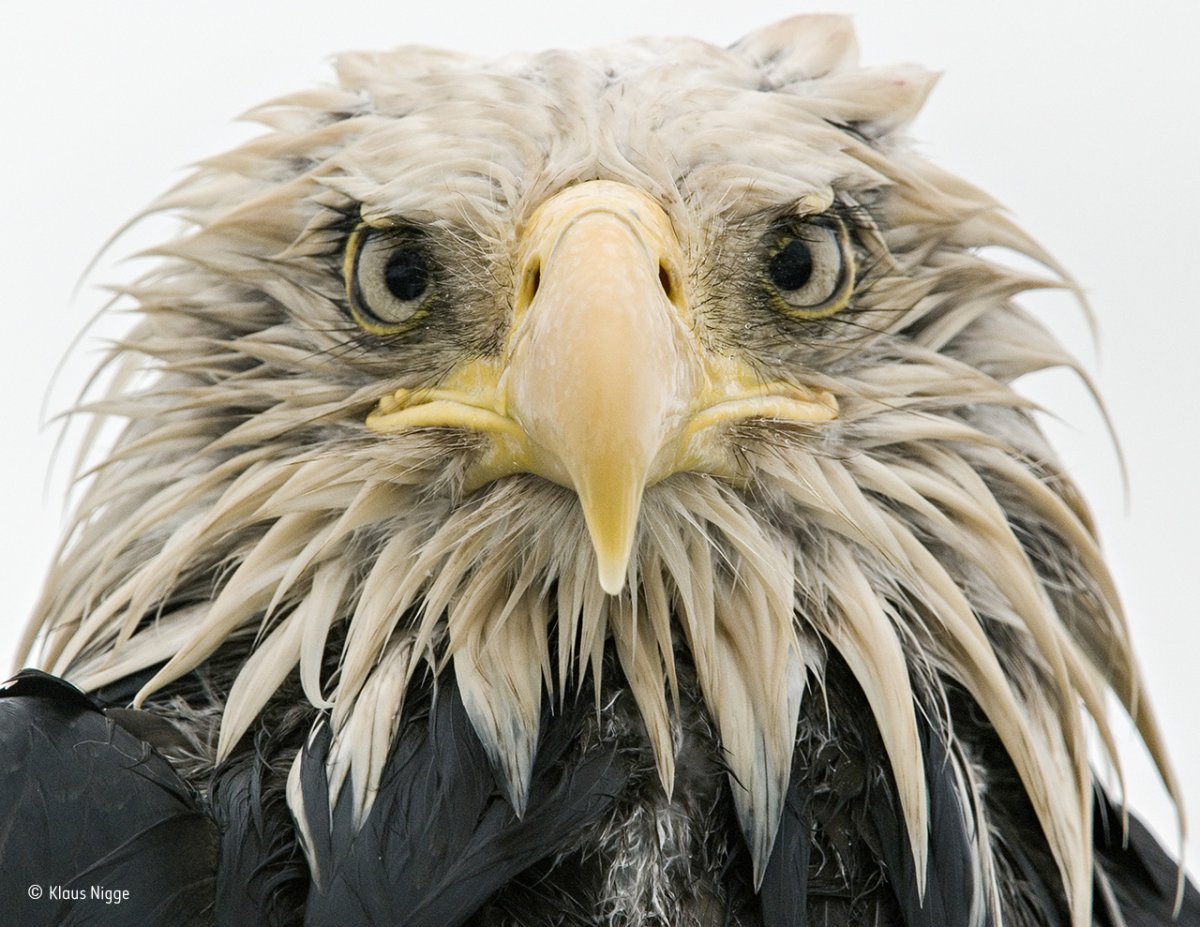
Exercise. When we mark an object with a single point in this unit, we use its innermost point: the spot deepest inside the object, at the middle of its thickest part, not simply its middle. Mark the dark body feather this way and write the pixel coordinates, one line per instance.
(600, 842)
(88, 809)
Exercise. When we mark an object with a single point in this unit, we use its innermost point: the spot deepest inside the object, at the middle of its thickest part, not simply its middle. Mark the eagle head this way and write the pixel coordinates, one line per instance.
(661, 370)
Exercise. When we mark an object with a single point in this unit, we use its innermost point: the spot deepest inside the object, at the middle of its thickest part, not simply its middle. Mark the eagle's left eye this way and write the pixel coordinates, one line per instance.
(389, 278)
(809, 268)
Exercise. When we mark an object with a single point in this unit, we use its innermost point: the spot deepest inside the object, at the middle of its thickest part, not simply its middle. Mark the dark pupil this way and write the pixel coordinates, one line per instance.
(791, 267)
(406, 274)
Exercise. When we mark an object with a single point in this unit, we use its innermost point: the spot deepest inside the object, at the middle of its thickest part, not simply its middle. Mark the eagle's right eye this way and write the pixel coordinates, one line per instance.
(389, 278)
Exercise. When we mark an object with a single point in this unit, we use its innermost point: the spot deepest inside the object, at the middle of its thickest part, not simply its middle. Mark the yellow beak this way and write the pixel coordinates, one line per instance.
(603, 385)
(602, 367)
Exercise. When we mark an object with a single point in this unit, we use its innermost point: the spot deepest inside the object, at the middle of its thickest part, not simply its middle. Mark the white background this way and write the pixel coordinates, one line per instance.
(1083, 123)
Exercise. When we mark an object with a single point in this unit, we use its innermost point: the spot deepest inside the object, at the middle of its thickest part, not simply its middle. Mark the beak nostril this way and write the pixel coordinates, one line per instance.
(533, 280)
(664, 278)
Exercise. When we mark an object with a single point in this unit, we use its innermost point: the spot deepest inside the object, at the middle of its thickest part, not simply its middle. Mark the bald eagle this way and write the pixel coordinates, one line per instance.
(576, 489)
